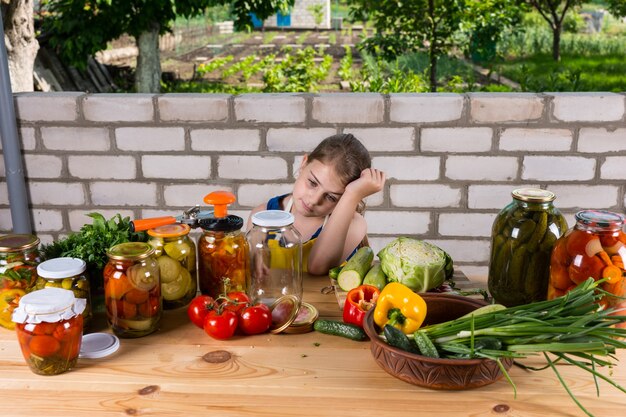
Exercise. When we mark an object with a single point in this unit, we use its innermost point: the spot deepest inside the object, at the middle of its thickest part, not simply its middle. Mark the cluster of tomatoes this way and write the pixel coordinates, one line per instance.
(222, 317)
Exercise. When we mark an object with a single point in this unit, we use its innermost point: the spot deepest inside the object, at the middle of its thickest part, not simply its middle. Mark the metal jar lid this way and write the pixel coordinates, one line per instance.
(307, 315)
(284, 312)
(533, 195)
(170, 230)
(130, 251)
(14, 243)
(600, 218)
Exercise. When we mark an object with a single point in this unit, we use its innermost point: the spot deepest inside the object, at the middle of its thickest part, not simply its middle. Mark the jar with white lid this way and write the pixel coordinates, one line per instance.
(276, 266)
(49, 326)
(69, 274)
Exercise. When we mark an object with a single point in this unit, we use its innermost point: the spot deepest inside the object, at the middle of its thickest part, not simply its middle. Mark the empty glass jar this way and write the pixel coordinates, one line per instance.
(276, 265)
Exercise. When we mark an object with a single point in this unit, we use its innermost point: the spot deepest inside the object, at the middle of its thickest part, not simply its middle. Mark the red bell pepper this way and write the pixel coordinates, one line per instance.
(358, 301)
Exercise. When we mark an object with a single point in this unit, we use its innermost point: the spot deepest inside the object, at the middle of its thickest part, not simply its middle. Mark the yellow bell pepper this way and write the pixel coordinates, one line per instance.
(400, 307)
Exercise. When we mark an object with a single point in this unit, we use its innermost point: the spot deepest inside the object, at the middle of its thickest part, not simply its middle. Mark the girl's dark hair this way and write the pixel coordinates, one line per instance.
(345, 153)
(348, 156)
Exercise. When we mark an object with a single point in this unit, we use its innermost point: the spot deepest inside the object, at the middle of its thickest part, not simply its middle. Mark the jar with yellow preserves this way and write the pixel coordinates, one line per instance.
(69, 274)
(132, 289)
(523, 236)
(176, 254)
(19, 257)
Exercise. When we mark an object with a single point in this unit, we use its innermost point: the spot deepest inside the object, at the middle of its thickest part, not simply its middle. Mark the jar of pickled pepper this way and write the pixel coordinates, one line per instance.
(176, 255)
(69, 274)
(595, 247)
(19, 257)
(522, 238)
(49, 326)
(132, 289)
(223, 254)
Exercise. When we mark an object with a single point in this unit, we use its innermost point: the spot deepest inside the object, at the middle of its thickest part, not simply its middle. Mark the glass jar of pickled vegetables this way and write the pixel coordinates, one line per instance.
(19, 257)
(276, 266)
(522, 238)
(176, 254)
(132, 289)
(49, 326)
(69, 274)
(223, 264)
(595, 247)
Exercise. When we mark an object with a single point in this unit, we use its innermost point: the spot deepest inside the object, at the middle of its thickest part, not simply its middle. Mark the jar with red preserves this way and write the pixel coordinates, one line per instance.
(19, 257)
(49, 326)
(132, 289)
(595, 247)
(223, 253)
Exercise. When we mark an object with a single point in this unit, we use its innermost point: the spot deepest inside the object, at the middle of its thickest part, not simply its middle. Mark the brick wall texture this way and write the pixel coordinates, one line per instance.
(452, 159)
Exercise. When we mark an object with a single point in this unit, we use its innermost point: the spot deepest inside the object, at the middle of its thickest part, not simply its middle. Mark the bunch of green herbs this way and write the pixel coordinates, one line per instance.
(573, 329)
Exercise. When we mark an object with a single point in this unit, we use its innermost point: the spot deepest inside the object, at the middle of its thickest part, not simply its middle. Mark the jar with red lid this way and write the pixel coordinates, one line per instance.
(223, 254)
(132, 289)
(19, 257)
(595, 247)
(175, 253)
(49, 326)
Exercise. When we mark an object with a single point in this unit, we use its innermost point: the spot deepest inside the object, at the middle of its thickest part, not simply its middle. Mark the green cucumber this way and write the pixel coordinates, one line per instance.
(338, 328)
(396, 338)
(376, 277)
(353, 272)
(334, 272)
(425, 345)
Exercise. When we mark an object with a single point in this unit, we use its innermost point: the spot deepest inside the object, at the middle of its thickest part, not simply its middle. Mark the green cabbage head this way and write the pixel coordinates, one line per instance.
(417, 264)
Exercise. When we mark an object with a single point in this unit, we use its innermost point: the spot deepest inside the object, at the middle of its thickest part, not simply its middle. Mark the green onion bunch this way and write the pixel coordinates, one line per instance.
(573, 328)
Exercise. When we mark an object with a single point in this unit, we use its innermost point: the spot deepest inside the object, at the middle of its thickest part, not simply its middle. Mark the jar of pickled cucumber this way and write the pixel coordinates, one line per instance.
(522, 238)
(19, 257)
(176, 254)
(223, 253)
(69, 274)
(49, 326)
(594, 248)
(132, 289)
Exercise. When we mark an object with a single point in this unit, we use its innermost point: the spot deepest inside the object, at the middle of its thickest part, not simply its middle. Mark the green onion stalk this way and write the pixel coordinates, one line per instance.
(573, 329)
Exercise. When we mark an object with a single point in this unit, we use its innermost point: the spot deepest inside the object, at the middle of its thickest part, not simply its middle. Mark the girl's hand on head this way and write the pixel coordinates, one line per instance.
(370, 182)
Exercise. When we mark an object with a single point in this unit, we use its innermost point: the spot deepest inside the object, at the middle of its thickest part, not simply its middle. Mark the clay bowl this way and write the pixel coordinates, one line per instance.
(443, 374)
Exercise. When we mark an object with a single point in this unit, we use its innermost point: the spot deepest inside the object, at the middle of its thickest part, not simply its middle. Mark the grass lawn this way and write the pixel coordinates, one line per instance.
(574, 73)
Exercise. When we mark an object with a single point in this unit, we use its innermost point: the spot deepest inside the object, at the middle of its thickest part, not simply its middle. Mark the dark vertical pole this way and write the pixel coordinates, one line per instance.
(18, 199)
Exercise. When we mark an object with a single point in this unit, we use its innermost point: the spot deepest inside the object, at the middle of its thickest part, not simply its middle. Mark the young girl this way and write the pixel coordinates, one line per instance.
(326, 200)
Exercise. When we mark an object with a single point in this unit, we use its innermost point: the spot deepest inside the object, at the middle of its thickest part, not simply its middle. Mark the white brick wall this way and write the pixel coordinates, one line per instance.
(452, 160)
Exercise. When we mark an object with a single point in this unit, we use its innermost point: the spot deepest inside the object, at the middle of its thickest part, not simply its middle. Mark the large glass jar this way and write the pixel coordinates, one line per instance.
(223, 264)
(176, 255)
(49, 329)
(132, 289)
(522, 238)
(276, 265)
(595, 247)
(69, 274)
(19, 257)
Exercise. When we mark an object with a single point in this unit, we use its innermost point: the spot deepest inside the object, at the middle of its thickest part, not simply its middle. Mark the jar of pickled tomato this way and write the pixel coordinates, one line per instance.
(49, 326)
(69, 274)
(132, 289)
(595, 247)
(223, 253)
(19, 257)
(175, 253)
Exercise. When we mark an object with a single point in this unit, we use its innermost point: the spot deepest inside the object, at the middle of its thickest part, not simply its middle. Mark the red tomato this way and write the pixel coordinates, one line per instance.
(199, 308)
(44, 346)
(238, 300)
(221, 325)
(255, 319)
(44, 328)
(150, 308)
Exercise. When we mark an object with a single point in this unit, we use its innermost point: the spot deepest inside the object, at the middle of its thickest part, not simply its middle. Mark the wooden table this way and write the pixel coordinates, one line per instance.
(274, 375)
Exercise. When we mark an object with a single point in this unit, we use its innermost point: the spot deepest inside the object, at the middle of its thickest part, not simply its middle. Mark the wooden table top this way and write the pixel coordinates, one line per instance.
(309, 374)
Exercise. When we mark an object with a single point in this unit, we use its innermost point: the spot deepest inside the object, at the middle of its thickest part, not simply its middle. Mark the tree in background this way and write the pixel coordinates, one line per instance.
(617, 7)
(80, 28)
(20, 41)
(410, 26)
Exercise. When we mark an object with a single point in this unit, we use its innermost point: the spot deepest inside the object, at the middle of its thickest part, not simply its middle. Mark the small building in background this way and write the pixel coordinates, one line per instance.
(305, 14)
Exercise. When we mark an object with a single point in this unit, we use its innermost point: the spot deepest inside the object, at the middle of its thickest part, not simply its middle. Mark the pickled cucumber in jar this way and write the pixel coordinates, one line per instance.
(523, 236)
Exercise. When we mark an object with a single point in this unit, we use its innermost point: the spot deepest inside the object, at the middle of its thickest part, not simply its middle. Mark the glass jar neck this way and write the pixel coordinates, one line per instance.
(534, 205)
(614, 228)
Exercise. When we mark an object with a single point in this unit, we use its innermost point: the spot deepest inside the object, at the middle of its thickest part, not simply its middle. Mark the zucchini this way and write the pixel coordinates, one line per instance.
(425, 345)
(334, 272)
(353, 272)
(396, 338)
(376, 277)
(339, 328)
